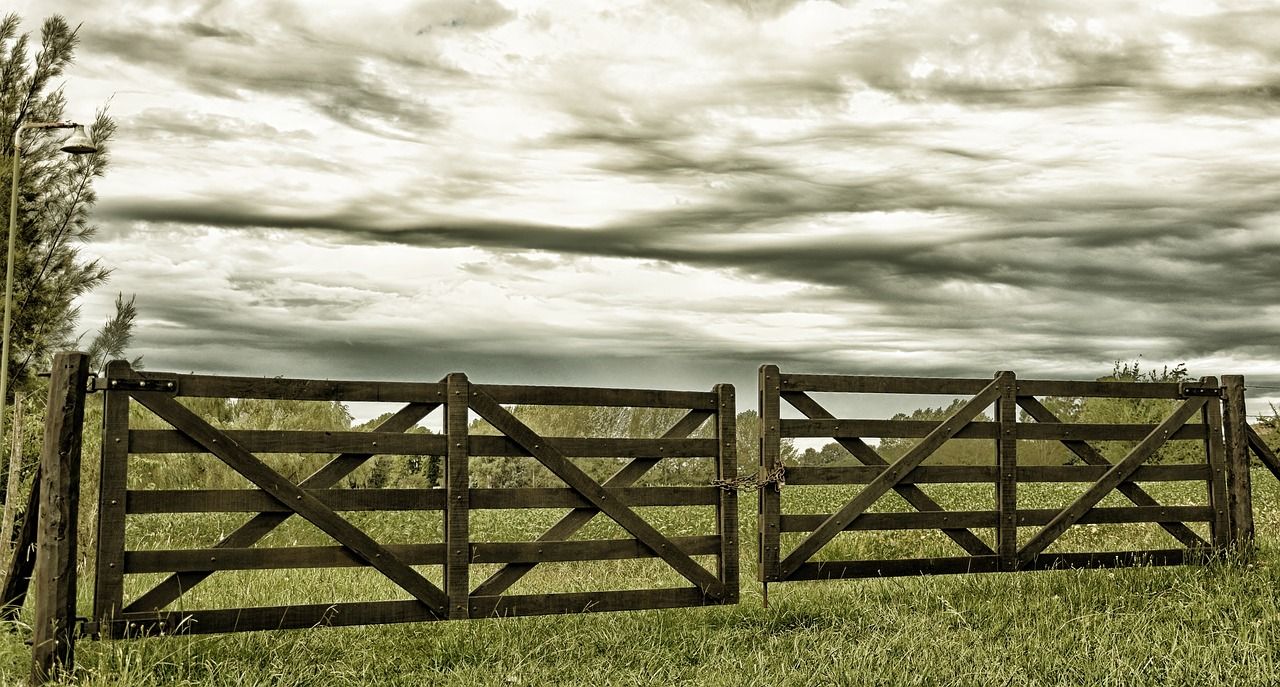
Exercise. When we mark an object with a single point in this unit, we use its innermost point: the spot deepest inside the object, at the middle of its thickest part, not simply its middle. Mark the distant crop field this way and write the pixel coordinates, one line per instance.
(1213, 624)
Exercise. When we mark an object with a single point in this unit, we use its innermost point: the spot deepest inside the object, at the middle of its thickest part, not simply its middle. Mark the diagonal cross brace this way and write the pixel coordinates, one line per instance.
(295, 497)
(913, 495)
(509, 574)
(891, 476)
(579, 481)
(259, 526)
(1086, 452)
(1118, 474)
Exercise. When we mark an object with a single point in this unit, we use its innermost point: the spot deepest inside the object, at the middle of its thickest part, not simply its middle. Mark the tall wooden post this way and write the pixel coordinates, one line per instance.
(457, 538)
(1007, 471)
(53, 641)
(770, 457)
(727, 507)
(1235, 426)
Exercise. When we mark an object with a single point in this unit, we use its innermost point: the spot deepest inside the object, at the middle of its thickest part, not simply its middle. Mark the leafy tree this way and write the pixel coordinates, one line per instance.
(55, 197)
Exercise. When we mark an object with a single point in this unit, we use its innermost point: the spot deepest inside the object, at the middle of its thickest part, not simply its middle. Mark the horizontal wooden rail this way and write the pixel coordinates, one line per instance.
(257, 501)
(1026, 517)
(833, 570)
(303, 557)
(210, 386)
(599, 397)
(387, 612)
(155, 441)
(952, 474)
(906, 429)
(944, 386)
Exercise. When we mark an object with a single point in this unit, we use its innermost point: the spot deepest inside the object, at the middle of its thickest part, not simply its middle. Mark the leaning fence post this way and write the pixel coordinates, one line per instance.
(53, 641)
(1236, 430)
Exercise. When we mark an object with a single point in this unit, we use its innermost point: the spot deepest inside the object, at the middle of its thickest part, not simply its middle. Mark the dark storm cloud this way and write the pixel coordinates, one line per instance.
(234, 64)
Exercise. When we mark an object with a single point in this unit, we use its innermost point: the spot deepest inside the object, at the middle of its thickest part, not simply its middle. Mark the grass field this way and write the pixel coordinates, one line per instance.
(1194, 625)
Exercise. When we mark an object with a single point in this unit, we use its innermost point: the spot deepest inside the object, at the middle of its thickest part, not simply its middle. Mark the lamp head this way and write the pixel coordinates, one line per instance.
(79, 142)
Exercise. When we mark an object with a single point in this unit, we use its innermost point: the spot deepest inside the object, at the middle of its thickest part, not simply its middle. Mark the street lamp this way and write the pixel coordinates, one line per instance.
(78, 143)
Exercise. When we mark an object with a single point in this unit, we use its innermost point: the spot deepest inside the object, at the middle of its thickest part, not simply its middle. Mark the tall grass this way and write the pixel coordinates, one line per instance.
(1193, 625)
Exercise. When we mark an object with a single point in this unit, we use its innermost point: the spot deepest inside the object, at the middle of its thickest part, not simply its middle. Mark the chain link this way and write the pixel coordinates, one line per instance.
(753, 482)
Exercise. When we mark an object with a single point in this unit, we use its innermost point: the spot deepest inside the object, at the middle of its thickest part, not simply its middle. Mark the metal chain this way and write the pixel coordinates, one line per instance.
(752, 482)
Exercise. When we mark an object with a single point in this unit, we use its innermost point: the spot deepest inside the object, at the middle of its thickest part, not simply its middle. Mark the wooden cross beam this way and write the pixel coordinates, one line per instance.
(576, 519)
(259, 526)
(868, 456)
(1118, 474)
(296, 498)
(891, 476)
(579, 481)
(1086, 452)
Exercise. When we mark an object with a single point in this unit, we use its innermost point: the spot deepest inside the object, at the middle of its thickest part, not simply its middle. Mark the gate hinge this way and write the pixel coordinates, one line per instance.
(87, 628)
(135, 384)
(1187, 391)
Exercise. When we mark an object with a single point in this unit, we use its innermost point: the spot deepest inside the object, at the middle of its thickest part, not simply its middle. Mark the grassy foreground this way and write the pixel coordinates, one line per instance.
(1212, 625)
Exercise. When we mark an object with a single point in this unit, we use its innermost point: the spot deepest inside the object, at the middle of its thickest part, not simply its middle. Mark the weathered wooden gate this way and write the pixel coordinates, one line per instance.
(1007, 551)
(318, 500)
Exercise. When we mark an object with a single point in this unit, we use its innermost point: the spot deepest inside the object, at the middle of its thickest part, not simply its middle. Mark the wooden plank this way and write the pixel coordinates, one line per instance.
(598, 397)
(508, 575)
(17, 578)
(223, 386)
(140, 502)
(983, 518)
(261, 525)
(1118, 474)
(865, 384)
(1131, 491)
(1220, 528)
(589, 602)
(113, 477)
(299, 617)
(160, 441)
(257, 501)
(909, 429)
(1006, 445)
(842, 570)
(961, 474)
(912, 494)
(769, 497)
(1235, 422)
(1053, 387)
(572, 475)
(304, 557)
(457, 516)
(727, 508)
(286, 491)
(891, 476)
(836, 570)
(53, 629)
(1263, 452)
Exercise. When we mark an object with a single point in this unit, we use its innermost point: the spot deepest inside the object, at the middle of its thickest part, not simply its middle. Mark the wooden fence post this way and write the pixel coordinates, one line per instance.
(1239, 485)
(1007, 471)
(727, 508)
(770, 458)
(457, 538)
(53, 641)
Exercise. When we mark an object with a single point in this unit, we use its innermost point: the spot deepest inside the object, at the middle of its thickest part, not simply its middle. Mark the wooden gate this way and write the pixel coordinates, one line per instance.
(1003, 549)
(319, 500)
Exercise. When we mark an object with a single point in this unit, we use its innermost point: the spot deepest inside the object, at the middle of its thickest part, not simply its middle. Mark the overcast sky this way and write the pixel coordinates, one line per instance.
(668, 194)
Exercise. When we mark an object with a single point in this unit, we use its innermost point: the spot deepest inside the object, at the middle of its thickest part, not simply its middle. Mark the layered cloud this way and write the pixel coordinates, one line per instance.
(675, 191)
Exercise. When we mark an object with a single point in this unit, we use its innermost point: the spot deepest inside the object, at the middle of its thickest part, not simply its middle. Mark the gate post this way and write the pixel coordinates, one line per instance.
(769, 495)
(1239, 488)
(457, 510)
(1007, 470)
(53, 641)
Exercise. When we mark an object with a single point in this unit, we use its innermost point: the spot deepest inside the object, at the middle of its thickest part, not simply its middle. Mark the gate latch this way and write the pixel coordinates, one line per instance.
(1187, 391)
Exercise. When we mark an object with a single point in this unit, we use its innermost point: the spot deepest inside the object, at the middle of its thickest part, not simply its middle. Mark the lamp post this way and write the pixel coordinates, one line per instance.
(78, 143)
